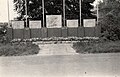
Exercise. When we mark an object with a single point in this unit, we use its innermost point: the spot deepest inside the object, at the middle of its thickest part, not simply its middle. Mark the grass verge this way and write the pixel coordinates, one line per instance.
(18, 49)
(97, 47)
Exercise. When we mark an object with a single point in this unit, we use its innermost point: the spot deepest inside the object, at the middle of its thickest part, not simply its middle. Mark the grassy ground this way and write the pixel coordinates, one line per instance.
(97, 47)
(18, 49)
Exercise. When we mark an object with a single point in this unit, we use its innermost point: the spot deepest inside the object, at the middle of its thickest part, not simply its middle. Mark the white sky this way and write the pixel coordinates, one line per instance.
(4, 10)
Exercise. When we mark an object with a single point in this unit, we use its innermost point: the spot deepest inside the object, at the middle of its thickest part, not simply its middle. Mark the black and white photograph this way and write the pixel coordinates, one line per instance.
(59, 38)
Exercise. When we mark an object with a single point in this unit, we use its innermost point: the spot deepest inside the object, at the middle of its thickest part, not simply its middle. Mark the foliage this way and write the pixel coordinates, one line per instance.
(34, 9)
(97, 47)
(53, 7)
(3, 31)
(110, 20)
(18, 49)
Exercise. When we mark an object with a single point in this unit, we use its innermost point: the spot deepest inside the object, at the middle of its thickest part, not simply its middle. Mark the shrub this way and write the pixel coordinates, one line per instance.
(3, 30)
(18, 49)
(97, 47)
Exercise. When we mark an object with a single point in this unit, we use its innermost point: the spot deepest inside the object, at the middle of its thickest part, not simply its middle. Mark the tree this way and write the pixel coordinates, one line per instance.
(86, 9)
(109, 12)
(34, 9)
(109, 6)
(53, 7)
(73, 10)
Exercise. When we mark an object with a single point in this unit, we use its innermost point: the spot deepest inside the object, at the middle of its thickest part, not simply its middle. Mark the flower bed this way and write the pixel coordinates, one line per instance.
(56, 39)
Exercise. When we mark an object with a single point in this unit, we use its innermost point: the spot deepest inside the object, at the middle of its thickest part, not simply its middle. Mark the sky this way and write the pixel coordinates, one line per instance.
(12, 13)
(4, 10)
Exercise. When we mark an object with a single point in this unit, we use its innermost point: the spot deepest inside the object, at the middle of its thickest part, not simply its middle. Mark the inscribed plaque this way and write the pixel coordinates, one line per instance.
(72, 23)
(89, 22)
(35, 24)
(18, 24)
(54, 21)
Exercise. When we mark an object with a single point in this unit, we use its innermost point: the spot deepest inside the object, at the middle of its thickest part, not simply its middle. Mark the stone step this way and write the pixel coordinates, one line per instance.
(56, 49)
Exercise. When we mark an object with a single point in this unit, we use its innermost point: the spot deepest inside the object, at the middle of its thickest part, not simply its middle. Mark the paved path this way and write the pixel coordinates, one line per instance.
(56, 49)
(92, 65)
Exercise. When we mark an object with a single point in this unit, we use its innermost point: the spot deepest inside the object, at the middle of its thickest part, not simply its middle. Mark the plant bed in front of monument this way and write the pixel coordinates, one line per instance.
(18, 49)
(56, 39)
(97, 47)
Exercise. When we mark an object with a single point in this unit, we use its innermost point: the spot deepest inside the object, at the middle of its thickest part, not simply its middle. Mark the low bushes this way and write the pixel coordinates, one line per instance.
(97, 47)
(18, 49)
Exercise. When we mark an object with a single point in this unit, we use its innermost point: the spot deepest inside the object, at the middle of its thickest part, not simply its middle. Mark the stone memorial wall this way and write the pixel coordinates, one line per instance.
(54, 28)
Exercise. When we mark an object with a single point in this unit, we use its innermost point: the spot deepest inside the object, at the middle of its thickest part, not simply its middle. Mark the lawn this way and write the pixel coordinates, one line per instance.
(97, 47)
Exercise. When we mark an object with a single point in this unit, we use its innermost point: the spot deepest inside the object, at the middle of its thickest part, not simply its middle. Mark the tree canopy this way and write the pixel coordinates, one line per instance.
(53, 7)
(109, 13)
